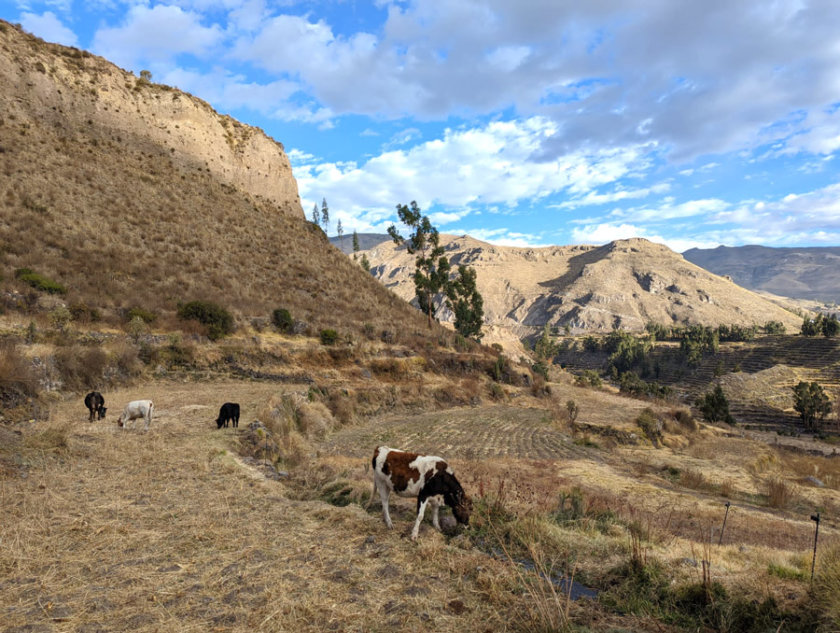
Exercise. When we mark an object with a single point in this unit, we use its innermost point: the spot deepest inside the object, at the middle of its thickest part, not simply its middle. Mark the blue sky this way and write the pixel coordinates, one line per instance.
(533, 122)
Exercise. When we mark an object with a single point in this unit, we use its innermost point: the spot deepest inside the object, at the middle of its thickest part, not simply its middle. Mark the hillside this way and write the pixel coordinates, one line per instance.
(800, 273)
(133, 194)
(624, 284)
(366, 241)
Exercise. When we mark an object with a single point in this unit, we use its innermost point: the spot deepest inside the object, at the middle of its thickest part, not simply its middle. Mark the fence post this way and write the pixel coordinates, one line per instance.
(723, 527)
(816, 519)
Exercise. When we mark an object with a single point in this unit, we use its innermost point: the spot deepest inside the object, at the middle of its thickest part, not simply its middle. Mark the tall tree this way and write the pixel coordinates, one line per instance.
(355, 243)
(340, 230)
(431, 273)
(325, 216)
(811, 403)
(316, 215)
(466, 303)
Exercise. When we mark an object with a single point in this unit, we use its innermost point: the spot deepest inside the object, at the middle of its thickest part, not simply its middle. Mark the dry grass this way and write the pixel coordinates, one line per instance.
(182, 537)
(175, 232)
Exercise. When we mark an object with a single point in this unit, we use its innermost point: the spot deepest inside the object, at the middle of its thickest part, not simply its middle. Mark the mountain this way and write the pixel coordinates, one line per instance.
(799, 273)
(134, 194)
(366, 241)
(625, 284)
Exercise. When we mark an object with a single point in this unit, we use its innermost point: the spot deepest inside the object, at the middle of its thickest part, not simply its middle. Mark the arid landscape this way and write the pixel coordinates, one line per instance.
(604, 498)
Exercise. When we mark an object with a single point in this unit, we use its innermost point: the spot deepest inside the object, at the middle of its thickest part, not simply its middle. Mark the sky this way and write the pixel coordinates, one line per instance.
(522, 123)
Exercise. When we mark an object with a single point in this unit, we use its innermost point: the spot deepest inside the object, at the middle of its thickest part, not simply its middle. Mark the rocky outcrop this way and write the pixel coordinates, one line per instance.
(625, 284)
(83, 94)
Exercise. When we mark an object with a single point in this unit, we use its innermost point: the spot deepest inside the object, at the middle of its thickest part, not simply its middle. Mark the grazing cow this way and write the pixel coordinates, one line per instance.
(137, 409)
(428, 478)
(96, 405)
(228, 413)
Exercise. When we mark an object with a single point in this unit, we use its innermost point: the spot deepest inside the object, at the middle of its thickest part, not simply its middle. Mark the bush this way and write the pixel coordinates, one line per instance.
(328, 336)
(811, 403)
(282, 320)
(825, 590)
(82, 313)
(774, 327)
(18, 381)
(215, 318)
(632, 384)
(81, 368)
(651, 426)
(39, 281)
(146, 315)
(715, 407)
(588, 378)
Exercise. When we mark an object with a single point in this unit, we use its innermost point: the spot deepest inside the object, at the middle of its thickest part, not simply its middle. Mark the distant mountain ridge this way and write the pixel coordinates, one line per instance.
(624, 284)
(800, 273)
(366, 241)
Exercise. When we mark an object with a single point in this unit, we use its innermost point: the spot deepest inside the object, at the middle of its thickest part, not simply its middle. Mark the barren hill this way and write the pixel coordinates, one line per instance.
(134, 194)
(800, 273)
(624, 284)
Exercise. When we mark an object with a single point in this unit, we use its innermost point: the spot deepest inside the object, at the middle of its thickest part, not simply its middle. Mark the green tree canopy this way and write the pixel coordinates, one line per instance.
(431, 274)
(811, 403)
(466, 303)
(715, 407)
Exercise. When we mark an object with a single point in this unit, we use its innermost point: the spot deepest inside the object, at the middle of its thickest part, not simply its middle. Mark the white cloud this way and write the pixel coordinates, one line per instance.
(231, 92)
(708, 207)
(698, 78)
(490, 165)
(48, 27)
(594, 198)
(156, 34)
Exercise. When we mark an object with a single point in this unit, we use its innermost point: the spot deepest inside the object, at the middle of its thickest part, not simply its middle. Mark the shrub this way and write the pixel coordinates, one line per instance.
(80, 368)
(774, 327)
(215, 318)
(811, 402)
(39, 281)
(18, 381)
(651, 426)
(715, 407)
(631, 383)
(82, 313)
(779, 494)
(328, 336)
(146, 315)
(588, 377)
(826, 588)
(281, 318)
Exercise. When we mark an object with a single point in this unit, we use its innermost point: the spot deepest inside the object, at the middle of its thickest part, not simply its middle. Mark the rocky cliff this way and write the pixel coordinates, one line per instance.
(80, 93)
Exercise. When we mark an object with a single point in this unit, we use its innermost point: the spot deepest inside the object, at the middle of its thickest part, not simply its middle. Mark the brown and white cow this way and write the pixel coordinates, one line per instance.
(426, 477)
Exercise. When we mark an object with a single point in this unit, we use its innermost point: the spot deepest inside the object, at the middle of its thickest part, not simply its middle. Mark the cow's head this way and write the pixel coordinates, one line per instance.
(462, 507)
(219, 422)
(101, 412)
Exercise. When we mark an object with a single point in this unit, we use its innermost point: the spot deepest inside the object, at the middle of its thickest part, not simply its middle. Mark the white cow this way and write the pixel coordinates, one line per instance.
(137, 409)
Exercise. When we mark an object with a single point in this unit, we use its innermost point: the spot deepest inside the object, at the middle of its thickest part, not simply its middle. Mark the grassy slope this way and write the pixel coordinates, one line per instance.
(121, 221)
(168, 529)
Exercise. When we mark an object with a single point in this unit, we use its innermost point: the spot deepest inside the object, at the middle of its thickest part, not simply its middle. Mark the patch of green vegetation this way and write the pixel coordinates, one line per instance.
(785, 573)
(39, 281)
(219, 322)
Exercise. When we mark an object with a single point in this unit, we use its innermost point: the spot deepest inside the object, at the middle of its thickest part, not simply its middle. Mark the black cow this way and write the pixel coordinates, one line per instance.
(96, 405)
(228, 413)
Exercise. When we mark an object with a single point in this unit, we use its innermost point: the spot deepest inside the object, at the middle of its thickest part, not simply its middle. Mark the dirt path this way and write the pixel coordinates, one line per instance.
(165, 531)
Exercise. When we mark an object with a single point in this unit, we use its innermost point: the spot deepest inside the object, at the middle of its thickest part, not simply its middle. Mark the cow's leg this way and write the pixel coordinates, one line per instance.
(384, 495)
(435, 501)
(90, 417)
(421, 509)
(372, 495)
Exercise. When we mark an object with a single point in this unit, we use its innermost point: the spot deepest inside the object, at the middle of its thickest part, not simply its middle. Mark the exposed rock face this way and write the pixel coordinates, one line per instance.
(624, 284)
(72, 89)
